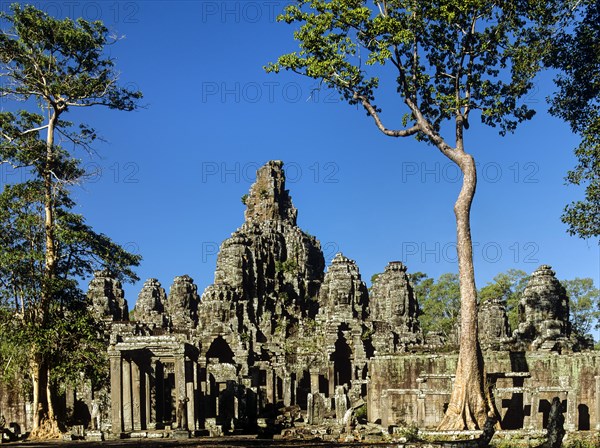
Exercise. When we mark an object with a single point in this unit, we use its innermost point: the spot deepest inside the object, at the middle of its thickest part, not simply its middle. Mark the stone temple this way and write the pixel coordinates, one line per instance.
(279, 341)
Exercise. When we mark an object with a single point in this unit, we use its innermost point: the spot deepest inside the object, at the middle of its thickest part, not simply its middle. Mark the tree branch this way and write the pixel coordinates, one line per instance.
(389, 132)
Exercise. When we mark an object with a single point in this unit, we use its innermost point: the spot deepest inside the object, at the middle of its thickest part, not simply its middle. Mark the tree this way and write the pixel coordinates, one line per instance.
(448, 61)
(584, 304)
(440, 304)
(68, 338)
(577, 55)
(59, 66)
(508, 286)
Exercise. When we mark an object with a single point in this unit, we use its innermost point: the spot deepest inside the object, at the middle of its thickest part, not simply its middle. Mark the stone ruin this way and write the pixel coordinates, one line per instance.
(544, 313)
(493, 325)
(279, 342)
(394, 311)
(107, 298)
(274, 331)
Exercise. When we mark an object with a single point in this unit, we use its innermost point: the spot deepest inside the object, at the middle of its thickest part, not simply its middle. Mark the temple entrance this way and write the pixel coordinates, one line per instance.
(148, 385)
(220, 350)
(222, 375)
(342, 362)
(165, 394)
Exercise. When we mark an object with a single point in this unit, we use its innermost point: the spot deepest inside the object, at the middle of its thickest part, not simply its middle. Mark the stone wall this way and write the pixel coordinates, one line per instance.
(407, 389)
(14, 408)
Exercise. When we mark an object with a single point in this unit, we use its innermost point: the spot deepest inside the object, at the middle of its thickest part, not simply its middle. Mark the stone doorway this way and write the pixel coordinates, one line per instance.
(342, 362)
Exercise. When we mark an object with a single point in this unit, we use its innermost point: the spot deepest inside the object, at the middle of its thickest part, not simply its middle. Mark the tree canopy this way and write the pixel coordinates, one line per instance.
(445, 63)
(584, 304)
(49, 67)
(576, 54)
(439, 303)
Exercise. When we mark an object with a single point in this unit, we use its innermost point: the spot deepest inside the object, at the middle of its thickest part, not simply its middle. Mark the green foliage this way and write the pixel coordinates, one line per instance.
(245, 199)
(374, 278)
(66, 334)
(285, 298)
(509, 287)
(582, 440)
(584, 304)
(439, 303)
(63, 60)
(361, 413)
(410, 433)
(366, 333)
(288, 266)
(308, 345)
(447, 59)
(51, 67)
(575, 52)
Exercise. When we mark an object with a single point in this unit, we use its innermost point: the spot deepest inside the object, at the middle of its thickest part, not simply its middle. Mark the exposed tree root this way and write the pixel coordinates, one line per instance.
(470, 404)
(48, 430)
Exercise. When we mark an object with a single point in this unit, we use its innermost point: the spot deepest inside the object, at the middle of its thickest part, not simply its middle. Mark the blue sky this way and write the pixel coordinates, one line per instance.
(169, 179)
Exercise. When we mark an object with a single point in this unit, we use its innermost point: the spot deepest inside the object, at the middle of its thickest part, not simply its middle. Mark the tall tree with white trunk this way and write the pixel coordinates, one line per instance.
(447, 63)
(51, 66)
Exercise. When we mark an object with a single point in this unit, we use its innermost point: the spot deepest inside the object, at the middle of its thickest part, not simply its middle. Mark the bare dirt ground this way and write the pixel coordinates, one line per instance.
(223, 442)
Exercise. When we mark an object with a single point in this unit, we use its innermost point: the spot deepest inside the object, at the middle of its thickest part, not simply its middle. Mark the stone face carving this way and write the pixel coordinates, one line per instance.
(268, 199)
(493, 323)
(394, 310)
(544, 312)
(269, 272)
(343, 288)
(107, 297)
(182, 302)
(274, 327)
(343, 307)
(149, 308)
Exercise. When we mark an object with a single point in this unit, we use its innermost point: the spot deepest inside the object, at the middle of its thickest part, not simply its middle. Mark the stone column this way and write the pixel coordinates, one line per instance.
(287, 390)
(159, 392)
(570, 421)
(190, 375)
(270, 386)
(116, 393)
(136, 402)
(314, 382)
(421, 402)
(384, 408)
(535, 405)
(597, 404)
(147, 399)
(331, 377)
(180, 380)
(127, 405)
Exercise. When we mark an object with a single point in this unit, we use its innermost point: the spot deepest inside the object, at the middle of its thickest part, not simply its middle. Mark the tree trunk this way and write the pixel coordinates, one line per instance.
(50, 255)
(470, 403)
(44, 425)
(35, 383)
(51, 413)
(39, 381)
